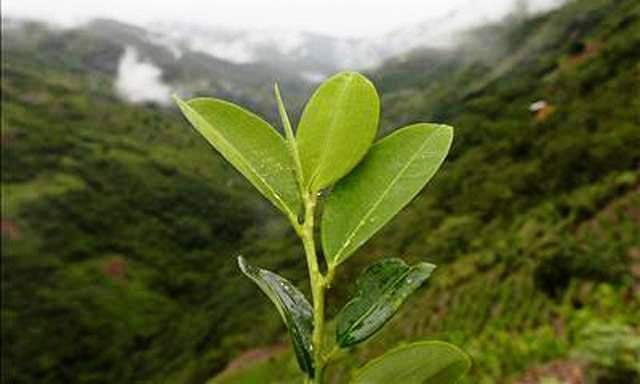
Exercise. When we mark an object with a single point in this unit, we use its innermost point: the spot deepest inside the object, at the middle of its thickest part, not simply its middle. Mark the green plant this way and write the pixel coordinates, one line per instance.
(332, 156)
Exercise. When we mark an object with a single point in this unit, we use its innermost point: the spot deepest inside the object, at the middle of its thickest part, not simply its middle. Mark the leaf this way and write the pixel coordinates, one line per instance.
(337, 128)
(294, 309)
(284, 116)
(381, 290)
(393, 172)
(425, 362)
(251, 145)
(291, 140)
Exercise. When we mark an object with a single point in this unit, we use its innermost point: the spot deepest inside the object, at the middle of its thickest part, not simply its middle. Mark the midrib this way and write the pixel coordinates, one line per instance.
(379, 200)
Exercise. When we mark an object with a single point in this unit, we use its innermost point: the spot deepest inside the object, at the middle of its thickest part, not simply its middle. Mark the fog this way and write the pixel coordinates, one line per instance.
(140, 81)
(338, 18)
(312, 38)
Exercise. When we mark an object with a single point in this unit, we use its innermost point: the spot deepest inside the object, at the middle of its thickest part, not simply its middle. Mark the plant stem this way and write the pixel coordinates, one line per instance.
(317, 285)
(306, 233)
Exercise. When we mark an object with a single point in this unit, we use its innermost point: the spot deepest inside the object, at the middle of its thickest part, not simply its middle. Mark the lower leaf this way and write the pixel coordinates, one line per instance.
(293, 307)
(425, 362)
(381, 290)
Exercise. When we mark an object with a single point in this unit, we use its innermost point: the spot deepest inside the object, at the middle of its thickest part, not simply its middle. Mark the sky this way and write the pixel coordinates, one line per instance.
(339, 18)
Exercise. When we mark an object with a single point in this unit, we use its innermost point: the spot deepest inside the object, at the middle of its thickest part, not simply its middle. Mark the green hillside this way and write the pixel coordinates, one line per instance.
(120, 229)
(120, 225)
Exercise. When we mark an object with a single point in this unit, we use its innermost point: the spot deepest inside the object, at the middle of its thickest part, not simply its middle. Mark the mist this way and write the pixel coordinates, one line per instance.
(336, 18)
(140, 81)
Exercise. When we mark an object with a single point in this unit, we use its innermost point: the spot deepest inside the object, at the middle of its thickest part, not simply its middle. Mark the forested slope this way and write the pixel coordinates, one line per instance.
(120, 228)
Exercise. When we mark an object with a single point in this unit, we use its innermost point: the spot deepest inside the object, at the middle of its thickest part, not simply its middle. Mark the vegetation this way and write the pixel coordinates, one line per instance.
(119, 237)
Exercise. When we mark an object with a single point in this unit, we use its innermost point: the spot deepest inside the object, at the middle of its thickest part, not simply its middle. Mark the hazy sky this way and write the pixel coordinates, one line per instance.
(333, 17)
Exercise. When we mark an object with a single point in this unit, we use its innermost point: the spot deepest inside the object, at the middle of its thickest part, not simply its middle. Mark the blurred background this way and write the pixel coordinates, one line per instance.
(120, 225)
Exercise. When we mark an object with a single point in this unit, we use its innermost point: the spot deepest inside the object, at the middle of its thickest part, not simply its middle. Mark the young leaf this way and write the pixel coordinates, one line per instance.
(251, 145)
(337, 128)
(393, 172)
(291, 140)
(293, 307)
(381, 290)
(426, 362)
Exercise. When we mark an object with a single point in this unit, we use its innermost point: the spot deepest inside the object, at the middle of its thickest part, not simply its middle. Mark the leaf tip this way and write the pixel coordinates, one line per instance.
(176, 98)
(242, 264)
(350, 74)
(353, 75)
(182, 105)
(429, 266)
(447, 129)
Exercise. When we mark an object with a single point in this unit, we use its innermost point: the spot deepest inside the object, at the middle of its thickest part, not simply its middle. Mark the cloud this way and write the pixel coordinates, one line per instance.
(140, 81)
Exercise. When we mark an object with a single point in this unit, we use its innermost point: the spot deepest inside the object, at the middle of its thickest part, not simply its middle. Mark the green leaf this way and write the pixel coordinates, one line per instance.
(294, 309)
(251, 145)
(381, 290)
(291, 140)
(393, 172)
(337, 128)
(425, 362)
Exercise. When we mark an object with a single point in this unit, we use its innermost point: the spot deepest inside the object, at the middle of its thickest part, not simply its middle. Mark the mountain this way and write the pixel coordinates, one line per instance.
(100, 46)
(313, 56)
(152, 63)
(202, 53)
(120, 225)
(233, 63)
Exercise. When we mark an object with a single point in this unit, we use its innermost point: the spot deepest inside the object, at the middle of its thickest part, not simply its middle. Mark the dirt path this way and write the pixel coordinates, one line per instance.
(253, 356)
(564, 371)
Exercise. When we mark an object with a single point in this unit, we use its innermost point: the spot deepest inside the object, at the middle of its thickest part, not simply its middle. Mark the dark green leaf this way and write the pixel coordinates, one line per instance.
(337, 128)
(293, 307)
(381, 290)
(393, 172)
(251, 145)
(425, 362)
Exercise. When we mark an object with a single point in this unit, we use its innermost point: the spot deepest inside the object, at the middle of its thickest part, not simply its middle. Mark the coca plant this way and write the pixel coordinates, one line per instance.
(363, 183)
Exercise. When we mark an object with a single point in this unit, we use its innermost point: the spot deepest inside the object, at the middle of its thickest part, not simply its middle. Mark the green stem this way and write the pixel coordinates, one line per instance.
(306, 232)
(317, 285)
(333, 354)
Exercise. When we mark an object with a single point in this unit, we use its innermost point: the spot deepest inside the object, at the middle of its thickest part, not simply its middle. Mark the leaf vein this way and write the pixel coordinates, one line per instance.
(383, 195)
